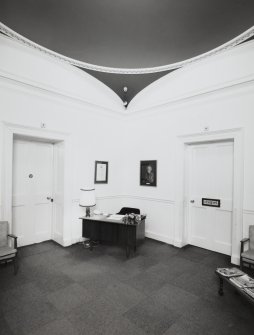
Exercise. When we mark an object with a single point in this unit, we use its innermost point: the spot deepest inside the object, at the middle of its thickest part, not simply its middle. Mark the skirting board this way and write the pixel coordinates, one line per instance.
(74, 240)
(58, 238)
(68, 241)
(235, 260)
(162, 238)
(77, 239)
(179, 243)
(157, 237)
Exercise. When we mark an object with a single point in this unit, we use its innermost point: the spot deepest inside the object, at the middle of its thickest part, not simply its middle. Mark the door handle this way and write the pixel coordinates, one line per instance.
(51, 199)
(192, 201)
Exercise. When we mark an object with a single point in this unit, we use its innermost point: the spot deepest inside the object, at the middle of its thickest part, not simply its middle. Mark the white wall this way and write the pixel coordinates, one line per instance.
(29, 66)
(217, 72)
(36, 89)
(217, 92)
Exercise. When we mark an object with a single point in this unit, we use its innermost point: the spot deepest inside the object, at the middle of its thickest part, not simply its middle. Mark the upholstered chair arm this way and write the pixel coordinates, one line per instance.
(243, 241)
(12, 236)
(15, 239)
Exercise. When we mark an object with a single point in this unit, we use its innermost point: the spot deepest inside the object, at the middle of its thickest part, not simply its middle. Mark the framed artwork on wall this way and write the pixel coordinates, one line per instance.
(101, 172)
(148, 173)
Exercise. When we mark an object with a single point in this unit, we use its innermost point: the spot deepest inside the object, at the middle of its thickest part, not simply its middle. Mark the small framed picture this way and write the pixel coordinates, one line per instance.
(101, 172)
(148, 173)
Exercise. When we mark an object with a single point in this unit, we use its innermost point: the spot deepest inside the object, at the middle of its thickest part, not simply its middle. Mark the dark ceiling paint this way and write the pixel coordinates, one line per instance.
(134, 82)
(128, 33)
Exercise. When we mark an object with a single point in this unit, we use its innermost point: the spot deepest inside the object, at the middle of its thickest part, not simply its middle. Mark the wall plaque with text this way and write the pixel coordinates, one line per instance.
(210, 202)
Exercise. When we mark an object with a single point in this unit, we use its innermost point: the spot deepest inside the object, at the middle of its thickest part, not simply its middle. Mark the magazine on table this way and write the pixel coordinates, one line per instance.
(249, 291)
(230, 272)
(243, 281)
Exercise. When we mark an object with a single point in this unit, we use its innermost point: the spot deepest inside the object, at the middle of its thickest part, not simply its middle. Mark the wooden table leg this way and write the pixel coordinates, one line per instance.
(92, 236)
(221, 292)
(127, 251)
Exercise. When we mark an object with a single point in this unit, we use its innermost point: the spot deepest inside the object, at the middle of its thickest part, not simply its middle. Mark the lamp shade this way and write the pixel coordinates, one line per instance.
(87, 197)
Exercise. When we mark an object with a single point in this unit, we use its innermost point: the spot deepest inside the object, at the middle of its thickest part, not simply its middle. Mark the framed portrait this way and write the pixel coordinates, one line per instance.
(148, 173)
(101, 172)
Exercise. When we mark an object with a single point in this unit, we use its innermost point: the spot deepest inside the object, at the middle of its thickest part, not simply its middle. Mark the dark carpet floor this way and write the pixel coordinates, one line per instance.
(162, 290)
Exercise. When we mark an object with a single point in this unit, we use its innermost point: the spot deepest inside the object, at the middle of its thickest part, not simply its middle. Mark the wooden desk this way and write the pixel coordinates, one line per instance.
(103, 229)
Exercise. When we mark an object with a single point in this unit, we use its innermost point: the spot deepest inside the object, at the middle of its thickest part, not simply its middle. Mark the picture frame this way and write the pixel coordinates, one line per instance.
(101, 172)
(148, 173)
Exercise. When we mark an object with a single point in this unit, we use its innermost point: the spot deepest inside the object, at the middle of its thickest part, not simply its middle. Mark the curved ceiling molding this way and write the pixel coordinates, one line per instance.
(14, 35)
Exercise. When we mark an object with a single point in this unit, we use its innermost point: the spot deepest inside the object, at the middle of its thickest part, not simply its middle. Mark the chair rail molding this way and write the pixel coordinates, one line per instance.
(129, 196)
(248, 211)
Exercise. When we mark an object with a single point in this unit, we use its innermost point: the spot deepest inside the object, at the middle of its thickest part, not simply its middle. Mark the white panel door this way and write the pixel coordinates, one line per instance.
(210, 176)
(32, 190)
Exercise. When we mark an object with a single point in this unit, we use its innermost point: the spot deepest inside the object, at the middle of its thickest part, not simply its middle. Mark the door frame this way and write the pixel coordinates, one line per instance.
(188, 174)
(180, 222)
(31, 142)
(9, 131)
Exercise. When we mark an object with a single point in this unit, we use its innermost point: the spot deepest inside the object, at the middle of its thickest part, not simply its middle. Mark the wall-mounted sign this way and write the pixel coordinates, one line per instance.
(210, 202)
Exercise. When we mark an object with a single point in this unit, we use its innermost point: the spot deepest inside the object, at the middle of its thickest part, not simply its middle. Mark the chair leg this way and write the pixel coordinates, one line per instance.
(15, 264)
(241, 263)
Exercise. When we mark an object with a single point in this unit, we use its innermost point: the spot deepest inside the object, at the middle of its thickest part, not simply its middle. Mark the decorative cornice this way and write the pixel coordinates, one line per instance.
(232, 43)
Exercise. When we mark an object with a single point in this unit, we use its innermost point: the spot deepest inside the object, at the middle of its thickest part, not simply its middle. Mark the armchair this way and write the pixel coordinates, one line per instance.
(247, 256)
(8, 253)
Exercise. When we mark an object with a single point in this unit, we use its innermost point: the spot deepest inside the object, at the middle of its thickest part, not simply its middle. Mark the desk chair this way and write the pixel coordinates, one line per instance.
(248, 255)
(8, 253)
(129, 210)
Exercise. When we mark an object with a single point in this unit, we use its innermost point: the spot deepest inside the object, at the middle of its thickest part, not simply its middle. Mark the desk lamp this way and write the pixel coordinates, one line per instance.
(87, 199)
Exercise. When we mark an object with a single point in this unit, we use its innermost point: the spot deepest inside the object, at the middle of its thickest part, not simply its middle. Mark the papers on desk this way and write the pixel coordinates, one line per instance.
(116, 217)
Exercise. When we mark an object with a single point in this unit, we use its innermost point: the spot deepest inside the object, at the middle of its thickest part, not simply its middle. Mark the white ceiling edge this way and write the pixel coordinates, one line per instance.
(230, 44)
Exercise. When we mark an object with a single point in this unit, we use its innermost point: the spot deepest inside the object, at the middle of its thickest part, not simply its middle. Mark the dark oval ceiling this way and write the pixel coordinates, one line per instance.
(128, 33)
